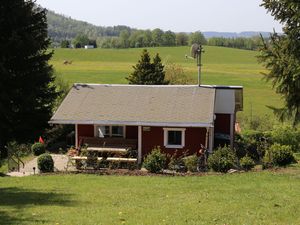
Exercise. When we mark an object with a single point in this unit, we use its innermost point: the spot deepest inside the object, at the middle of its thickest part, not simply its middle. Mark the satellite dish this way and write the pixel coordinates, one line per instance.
(195, 50)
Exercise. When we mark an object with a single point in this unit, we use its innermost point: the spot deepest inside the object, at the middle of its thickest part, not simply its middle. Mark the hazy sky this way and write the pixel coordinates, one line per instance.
(175, 15)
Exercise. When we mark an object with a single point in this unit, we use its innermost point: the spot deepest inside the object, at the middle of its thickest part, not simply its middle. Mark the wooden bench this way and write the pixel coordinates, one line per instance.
(109, 142)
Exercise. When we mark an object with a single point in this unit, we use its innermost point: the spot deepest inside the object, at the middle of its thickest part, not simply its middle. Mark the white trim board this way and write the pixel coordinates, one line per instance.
(166, 137)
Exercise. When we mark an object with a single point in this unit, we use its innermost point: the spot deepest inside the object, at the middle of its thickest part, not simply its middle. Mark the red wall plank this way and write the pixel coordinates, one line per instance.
(194, 137)
(222, 123)
(131, 132)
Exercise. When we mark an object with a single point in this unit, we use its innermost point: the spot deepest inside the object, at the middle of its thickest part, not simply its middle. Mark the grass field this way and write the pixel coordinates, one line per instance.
(223, 66)
(249, 198)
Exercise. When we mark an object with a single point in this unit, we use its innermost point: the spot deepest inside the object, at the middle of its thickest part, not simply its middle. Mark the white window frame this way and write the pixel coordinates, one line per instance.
(166, 130)
(96, 134)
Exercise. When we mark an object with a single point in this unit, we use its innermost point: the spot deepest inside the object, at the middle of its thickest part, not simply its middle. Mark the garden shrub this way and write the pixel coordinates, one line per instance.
(253, 144)
(247, 163)
(177, 164)
(191, 163)
(38, 148)
(155, 161)
(222, 160)
(286, 135)
(176, 161)
(45, 163)
(278, 155)
(20, 150)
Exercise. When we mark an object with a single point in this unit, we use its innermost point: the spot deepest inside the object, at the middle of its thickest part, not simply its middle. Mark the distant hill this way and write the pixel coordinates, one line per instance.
(61, 27)
(245, 34)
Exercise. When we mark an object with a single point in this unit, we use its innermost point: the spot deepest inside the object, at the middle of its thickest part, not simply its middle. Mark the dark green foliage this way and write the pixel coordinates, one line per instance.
(247, 163)
(281, 56)
(253, 144)
(59, 136)
(155, 161)
(278, 155)
(38, 148)
(27, 92)
(148, 73)
(222, 160)
(18, 150)
(65, 44)
(191, 163)
(45, 163)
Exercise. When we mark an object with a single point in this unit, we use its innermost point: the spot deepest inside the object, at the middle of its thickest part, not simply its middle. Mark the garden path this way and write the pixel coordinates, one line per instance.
(60, 164)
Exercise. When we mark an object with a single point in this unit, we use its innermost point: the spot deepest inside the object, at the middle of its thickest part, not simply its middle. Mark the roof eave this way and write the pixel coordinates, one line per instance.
(135, 123)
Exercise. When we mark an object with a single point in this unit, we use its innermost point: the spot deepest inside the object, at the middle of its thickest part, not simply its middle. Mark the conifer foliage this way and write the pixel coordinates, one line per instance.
(148, 73)
(27, 92)
(281, 56)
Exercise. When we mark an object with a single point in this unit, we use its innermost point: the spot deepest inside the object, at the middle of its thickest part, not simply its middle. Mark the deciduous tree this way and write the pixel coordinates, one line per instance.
(197, 38)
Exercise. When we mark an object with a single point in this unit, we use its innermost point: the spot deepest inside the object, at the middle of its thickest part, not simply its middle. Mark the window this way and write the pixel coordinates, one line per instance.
(103, 131)
(117, 131)
(110, 131)
(174, 137)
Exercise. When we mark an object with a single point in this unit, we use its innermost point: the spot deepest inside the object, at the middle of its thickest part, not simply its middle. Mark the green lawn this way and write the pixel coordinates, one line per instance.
(223, 66)
(249, 198)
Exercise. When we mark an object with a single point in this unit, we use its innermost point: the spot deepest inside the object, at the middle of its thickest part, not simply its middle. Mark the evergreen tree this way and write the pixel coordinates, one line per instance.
(159, 73)
(27, 92)
(281, 56)
(146, 72)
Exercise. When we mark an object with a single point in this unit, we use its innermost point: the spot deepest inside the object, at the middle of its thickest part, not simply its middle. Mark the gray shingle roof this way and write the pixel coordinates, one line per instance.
(157, 105)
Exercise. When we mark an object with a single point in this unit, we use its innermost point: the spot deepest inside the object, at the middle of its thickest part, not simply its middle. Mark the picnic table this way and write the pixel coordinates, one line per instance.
(92, 157)
(107, 149)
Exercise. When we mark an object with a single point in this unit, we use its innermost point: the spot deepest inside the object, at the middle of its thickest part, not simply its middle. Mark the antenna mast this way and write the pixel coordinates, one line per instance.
(196, 52)
(199, 51)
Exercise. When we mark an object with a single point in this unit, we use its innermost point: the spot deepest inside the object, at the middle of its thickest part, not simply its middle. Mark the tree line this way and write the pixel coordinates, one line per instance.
(253, 43)
(158, 38)
(138, 39)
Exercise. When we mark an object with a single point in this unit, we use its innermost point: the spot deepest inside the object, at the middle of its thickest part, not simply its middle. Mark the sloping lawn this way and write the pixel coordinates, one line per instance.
(248, 198)
(223, 66)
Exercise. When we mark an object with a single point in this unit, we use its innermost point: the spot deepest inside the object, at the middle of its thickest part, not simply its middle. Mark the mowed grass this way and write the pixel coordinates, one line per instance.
(222, 66)
(249, 198)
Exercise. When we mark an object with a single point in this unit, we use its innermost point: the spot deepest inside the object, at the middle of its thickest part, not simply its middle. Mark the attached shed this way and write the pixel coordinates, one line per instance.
(174, 117)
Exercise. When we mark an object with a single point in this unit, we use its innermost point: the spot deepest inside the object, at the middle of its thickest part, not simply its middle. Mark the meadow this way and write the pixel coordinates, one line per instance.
(222, 66)
(249, 198)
